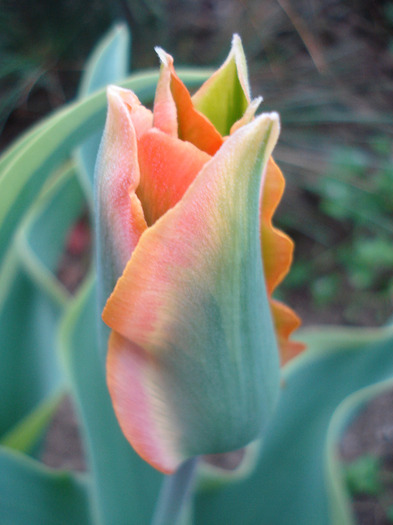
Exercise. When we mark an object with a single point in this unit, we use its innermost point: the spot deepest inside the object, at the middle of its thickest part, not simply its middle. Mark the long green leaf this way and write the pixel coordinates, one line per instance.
(108, 64)
(14, 149)
(340, 499)
(29, 370)
(124, 486)
(32, 300)
(42, 236)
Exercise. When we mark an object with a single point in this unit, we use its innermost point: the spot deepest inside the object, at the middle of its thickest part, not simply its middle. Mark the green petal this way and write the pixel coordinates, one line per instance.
(225, 96)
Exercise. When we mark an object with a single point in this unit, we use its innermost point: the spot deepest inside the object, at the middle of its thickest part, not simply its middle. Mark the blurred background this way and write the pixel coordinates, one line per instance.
(325, 65)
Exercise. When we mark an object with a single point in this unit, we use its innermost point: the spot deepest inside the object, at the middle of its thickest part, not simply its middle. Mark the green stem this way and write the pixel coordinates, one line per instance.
(175, 494)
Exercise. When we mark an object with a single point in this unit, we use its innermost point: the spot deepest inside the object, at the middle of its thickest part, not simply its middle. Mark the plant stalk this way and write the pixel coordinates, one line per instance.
(175, 494)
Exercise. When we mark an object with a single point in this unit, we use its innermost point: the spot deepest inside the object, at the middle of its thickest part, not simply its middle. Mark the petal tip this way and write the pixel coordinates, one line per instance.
(115, 91)
(236, 40)
(112, 94)
(256, 102)
(165, 58)
(274, 119)
(118, 96)
(269, 124)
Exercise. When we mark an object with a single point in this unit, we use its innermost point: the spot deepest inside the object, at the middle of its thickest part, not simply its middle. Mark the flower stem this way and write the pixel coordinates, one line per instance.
(175, 494)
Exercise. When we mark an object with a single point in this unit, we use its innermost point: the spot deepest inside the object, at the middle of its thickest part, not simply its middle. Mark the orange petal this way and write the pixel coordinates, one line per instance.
(139, 403)
(286, 322)
(277, 248)
(142, 118)
(121, 220)
(192, 125)
(277, 253)
(273, 190)
(165, 111)
(168, 167)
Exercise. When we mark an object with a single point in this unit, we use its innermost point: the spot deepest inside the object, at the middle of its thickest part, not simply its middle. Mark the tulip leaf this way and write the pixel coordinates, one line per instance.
(32, 299)
(340, 500)
(18, 145)
(108, 64)
(42, 238)
(125, 488)
(28, 369)
(289, 484)
(34, 494)
(225, 96)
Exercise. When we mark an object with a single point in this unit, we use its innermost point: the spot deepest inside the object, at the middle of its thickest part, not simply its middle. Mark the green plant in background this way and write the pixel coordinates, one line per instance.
(363, 475)
(354, 197)
(49, 346)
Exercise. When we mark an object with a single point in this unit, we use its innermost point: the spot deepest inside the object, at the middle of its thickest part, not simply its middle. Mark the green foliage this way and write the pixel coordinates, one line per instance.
(34, 494)
(32, 295)
(354, 228)
(28, 432)
(123, 487)
(362, 475)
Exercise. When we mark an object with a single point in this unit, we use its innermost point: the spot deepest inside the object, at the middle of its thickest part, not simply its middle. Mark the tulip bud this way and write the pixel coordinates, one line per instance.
(185, 231)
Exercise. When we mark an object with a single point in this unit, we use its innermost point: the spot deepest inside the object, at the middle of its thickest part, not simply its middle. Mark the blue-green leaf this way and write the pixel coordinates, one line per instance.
(32, 299)
(339, 496)
(124, 486)
(108, 64)
(35, 495)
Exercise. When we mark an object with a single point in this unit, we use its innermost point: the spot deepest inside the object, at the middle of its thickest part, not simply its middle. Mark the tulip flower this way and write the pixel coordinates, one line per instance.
(186, 195)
